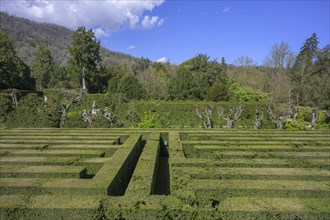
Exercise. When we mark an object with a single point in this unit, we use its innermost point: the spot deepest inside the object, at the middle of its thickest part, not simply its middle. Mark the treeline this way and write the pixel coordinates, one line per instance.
(282, 78)
(302, 79)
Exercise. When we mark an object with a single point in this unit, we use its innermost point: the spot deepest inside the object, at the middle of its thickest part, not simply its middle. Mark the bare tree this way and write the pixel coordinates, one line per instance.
(205, 115)
(314, 117)
(258, 121)
(293, 111)
(69, 99)
(244, 61)
(233, 114)
(111, 119)
(13, 94)
(86, 117)
(280, 57)
(278, 118)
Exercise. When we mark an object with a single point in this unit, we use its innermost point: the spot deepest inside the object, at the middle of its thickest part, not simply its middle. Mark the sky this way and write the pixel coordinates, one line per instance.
(178, 30)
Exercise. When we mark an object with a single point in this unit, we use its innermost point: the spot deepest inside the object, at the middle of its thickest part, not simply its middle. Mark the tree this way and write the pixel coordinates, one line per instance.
(244, 61)
(128, 85)
(218, 92)
(85, 52)
(278, 116)
(13, 72)
(258, 117)
(280, 57)
(195, 76)
(205, 115)
(310, 74)
(233, 114)
(42, 67)
(278, 62)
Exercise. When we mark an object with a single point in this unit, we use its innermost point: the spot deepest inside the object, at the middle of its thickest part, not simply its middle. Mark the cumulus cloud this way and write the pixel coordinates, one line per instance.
(162, 60)
(226, 10)
(131, 47)
(99, 32)
(150, 22)
(108, 14)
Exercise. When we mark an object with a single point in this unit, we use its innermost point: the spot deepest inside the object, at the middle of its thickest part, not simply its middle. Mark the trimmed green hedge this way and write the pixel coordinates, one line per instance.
(31, 112)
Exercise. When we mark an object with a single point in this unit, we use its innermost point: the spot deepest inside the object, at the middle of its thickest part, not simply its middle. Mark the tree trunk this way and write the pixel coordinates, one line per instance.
(83, 79)
(314, 118)
(279, 124)
(230, 122)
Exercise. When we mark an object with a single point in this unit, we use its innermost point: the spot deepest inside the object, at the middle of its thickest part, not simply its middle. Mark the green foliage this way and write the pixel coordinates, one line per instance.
(194, 77)
(128, 85)
(31, 113)
(85, 52)
(183, 87)
(149, 120)
(218, 92)
(13, 72)
(291, 125)
(310, 74)
(5, 107)
(245, 94)
(42, 67)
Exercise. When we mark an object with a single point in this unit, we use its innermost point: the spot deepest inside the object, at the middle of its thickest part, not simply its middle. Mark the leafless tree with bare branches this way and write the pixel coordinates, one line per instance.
(205, 115)
(233, 114)
(258, 121)
(314, 117)
(13, 94)
(278, 118)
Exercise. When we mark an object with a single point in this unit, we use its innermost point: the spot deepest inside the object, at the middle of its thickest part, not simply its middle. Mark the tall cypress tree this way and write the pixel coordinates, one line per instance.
(85, 52)
(42, 66)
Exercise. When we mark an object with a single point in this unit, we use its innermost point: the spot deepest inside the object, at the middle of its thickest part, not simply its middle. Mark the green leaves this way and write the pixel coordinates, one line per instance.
(195, 76)
(12, 69)
(42, 67)
(85, 52)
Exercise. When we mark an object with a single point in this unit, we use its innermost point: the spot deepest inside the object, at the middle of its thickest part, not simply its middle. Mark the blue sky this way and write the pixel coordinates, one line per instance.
(178, 30)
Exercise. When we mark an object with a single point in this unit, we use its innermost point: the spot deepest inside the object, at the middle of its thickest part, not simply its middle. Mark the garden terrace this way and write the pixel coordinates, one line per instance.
(133, 174)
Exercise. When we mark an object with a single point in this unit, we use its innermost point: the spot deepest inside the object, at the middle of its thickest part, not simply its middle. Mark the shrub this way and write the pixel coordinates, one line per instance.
(291, 125)
(149, 121)
(239, 93)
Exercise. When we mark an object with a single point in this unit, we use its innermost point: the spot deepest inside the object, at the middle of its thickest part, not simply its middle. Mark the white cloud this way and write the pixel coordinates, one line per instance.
(99, 32)
(226, 10)
(162, 60)
(109, 15)
(131, 47)
(150, 22)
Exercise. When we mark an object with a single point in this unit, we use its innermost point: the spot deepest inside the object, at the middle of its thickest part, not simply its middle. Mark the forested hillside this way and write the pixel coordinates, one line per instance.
(26, 35)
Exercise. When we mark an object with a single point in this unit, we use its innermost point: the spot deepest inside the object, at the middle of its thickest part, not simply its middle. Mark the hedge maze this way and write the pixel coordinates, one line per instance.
(133, 174)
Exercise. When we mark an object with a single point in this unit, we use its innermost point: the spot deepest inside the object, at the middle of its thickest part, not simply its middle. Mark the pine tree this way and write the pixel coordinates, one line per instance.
(85, 52)
(42, 67)
(11, 67)
(304, 71)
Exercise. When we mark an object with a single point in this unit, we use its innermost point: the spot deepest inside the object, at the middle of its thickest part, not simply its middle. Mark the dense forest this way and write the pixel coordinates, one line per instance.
(43, 57)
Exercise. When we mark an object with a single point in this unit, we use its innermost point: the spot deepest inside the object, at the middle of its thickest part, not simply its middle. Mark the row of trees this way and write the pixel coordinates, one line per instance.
(300, 79)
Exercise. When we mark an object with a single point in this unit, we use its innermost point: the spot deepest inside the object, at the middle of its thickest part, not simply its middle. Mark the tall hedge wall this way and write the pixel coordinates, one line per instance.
(168, 114)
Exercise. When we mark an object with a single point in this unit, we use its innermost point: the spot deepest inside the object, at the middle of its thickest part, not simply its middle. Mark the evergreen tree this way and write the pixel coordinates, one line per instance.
(85, 52)
(12, 70)
(305, 71)
(42, 67)
(128, 85)
(195, 76)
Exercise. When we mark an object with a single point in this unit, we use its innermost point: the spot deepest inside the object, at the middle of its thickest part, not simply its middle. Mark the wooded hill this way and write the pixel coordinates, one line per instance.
(26, 35)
